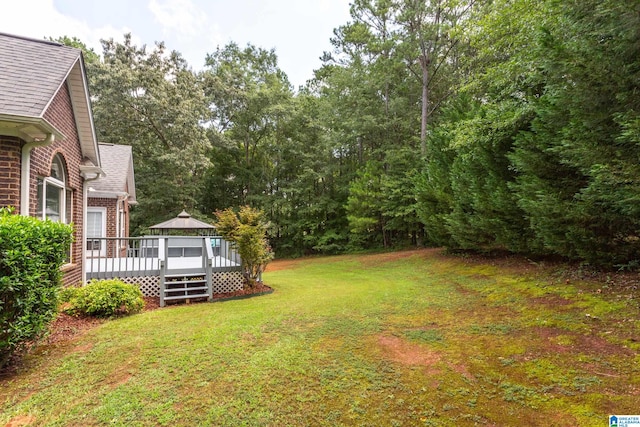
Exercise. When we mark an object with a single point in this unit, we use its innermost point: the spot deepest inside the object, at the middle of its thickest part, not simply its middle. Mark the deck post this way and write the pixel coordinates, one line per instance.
(162, 271)
(163, 254)
(207, 263)
(209, 279)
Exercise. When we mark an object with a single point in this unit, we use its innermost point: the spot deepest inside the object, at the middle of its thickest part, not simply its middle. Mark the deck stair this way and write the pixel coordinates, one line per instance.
(185, 287)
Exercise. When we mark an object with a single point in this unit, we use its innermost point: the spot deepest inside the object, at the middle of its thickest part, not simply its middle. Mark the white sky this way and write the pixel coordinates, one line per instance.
(299, 30)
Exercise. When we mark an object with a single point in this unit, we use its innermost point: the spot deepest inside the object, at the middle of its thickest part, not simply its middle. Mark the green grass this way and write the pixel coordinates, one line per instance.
(405, 339)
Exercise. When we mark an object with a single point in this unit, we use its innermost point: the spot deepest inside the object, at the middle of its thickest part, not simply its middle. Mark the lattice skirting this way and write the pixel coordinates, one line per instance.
(223, 283)
(149, 285)
(229, 281)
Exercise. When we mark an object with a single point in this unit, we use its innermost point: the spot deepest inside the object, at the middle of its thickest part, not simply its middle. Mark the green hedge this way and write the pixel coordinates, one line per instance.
(31, 254)
(103, 298)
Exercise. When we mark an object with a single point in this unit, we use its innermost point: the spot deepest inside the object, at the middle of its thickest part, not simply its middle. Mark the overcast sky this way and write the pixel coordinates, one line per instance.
(299, 30)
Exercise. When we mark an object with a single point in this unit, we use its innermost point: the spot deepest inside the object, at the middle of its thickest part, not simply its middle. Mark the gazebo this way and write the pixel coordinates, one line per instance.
(183, 225)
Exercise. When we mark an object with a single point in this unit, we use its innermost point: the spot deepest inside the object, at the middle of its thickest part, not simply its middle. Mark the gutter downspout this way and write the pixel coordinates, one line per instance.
(120, 201)
(85, 189)
(25, 171)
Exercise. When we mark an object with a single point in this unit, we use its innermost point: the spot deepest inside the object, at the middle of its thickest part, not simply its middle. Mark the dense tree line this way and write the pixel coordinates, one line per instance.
(497, 125)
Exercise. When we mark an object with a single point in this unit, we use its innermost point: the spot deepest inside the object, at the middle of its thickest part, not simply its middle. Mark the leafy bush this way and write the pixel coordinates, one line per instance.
(246, 231)
(31, 254)
(65, 295)
(102, 298)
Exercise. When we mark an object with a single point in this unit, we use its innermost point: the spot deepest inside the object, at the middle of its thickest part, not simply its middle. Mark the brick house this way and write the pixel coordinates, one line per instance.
(49, 153)
(109, 200)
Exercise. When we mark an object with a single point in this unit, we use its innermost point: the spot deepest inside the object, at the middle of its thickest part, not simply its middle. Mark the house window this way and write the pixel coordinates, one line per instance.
(96, 231)
(54, 198)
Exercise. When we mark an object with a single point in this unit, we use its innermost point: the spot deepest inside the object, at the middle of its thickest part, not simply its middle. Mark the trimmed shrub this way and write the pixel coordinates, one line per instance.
(31, 254)
(103, 298)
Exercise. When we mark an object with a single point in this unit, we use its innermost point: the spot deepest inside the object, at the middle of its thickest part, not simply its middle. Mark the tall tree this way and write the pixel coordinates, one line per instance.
(579, 176)
(430, 34)
(248, 97)
(371, 90)
(90, 55)
(466, 196)
(151, 100)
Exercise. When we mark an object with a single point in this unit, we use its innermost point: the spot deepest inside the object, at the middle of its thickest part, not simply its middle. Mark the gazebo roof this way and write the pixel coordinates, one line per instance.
(182, 222)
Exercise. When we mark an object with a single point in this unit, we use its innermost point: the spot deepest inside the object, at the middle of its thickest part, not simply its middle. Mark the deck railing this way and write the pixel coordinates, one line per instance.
(109, 257)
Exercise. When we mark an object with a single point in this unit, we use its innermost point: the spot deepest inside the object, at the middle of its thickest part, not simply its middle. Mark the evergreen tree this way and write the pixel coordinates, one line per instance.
(579, 171)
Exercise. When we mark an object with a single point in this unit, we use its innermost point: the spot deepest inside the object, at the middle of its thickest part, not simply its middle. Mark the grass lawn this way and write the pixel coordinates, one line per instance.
(403, 339)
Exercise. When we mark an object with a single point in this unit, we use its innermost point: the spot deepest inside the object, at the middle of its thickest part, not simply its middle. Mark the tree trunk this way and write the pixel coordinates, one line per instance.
(424, 65)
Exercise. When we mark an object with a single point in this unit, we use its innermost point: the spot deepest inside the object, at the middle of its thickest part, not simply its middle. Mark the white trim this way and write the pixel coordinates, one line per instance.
(60, 185)
(97, 194)
(87, 97)
(40, 124)
(78, 86)
(88, 173)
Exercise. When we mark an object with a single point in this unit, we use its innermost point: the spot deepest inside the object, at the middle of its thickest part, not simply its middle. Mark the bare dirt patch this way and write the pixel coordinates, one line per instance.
(464, 291)
(407, 353)
(579, 343)
(119, 378)
(83, 348)
(20, 420)
(462, 370)
(551, 300)
(381, 258)
(284, 264)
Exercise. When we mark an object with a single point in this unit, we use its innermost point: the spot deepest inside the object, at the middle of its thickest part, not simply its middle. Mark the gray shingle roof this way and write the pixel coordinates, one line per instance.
(117, 164)
(182, 222)
(31, 72)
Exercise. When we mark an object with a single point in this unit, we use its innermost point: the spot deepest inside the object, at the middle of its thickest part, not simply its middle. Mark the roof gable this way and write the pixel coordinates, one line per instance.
(117, 164)
(31, 74)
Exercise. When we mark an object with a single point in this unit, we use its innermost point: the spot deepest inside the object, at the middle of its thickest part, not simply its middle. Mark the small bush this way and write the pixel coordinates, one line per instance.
(66, 294)
(31, 254)
(247, 233)
(102, 298)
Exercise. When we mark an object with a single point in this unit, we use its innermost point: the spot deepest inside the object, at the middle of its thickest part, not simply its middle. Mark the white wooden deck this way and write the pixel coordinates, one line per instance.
(135, 266)
(150, 256)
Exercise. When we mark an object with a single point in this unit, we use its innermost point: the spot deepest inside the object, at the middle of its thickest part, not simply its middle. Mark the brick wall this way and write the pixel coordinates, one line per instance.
(10, 159)
(111, 206)
(60, 115)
